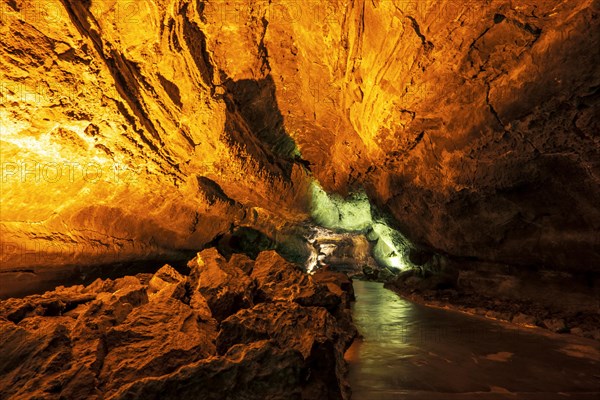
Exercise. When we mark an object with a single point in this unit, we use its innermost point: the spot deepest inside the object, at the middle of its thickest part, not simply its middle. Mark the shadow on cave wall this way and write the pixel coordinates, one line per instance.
(255, 123)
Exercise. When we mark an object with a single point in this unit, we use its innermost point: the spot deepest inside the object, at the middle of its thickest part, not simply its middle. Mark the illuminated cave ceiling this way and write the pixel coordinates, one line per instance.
(137, 129)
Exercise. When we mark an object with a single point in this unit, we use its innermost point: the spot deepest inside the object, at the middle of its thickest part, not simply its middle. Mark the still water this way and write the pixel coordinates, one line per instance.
(409, 351)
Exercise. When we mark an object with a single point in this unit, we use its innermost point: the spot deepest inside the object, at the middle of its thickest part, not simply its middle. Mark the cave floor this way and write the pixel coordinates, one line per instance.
(410, 351)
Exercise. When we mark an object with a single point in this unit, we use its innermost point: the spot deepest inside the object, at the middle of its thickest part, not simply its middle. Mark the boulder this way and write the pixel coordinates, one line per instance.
(280, 280)
(164, 277)
(225, 287)
(276, 278)
(555, 324)
(257, 371)
(524, 319)
(167, 283)
(312, 331)
(154, 336)
(338, 279)
(156, 339)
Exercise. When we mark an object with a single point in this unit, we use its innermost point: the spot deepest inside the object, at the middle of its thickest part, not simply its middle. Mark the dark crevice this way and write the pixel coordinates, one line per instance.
(491, 107)
(195, 221)
(171, 89)
(261, 46)
(213, 192)
(196, 42)
(426, 43)
(252, 110)
(417, 140)
(474, 42)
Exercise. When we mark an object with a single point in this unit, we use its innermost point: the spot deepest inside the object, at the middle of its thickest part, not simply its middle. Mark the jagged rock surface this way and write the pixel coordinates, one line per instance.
(156, 337)
(474, 124)
(225, 287)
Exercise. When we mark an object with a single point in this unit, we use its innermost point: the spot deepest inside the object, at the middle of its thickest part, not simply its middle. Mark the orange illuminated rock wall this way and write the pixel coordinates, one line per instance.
(135, 129)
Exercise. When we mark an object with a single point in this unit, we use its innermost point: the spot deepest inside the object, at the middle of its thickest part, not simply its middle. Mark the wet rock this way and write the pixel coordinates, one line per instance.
(225, 287)
(385, 274)
(337, 278)
(327, 296)
(508, 294)
(370, 273)
(336, 283)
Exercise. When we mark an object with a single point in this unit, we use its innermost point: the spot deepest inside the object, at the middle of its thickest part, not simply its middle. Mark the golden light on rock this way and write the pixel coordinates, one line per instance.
(449, 148)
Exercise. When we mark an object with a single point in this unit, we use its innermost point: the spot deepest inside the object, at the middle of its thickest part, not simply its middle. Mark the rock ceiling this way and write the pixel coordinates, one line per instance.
(132, 130)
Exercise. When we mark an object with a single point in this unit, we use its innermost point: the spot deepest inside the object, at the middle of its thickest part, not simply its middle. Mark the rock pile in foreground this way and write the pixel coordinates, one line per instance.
(237, 329)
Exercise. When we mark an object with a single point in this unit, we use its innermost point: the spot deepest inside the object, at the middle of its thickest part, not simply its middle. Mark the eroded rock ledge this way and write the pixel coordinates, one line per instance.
(560, 302)
(227, 330)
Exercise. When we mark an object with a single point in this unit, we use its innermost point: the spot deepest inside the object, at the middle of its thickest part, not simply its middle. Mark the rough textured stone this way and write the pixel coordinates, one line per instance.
(519, 298)
(242, 262)
(279, 377)
(165, 277)
(555, 324)
(167, 283)
(472, 124)
(524, 319)
(310, 330)
(154, 337)
(276, 278)
(289, 324)
(144, 132)
(225, 287)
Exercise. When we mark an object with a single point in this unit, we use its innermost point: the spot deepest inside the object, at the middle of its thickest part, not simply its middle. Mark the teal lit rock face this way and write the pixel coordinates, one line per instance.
(353, 214)
(391, 246)
(334, 212)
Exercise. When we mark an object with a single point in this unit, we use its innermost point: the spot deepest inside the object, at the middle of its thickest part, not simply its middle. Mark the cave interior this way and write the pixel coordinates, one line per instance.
(189, 189)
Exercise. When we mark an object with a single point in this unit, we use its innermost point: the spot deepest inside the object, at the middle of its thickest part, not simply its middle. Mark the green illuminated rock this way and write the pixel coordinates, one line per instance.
(353, 214)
